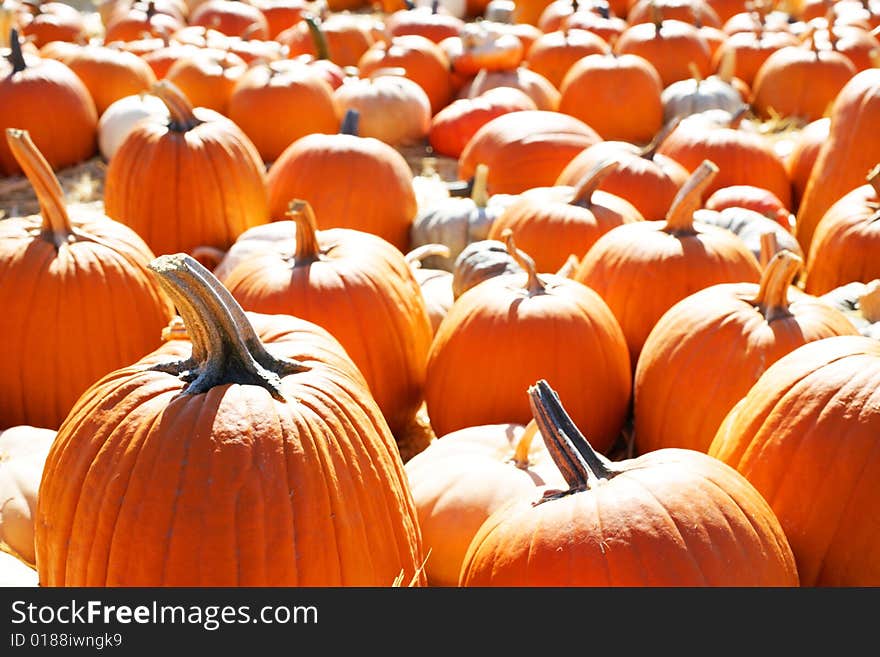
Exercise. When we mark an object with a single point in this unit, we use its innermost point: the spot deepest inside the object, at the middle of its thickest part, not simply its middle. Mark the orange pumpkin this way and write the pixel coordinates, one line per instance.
(814, 416)
(168, 210)
(253, 451)
(208, 77)
(503, 330)
(534, 85)
(481, 46)
(142, 18)
(48, 100)
(345, 38)
(337, 279)
(377, 196)
(642, 269)
(78, 299)
(711, 347)
(231, 18)
(433, 23)
(630, 523)
(551, 223)
(44, 22)
(800, 160)
(750, 50)
(694, 12)
(554, 53)
(671, 46)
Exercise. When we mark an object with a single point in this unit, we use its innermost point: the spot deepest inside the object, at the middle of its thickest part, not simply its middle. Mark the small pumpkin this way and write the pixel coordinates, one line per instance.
(121, 116)
(695, 95)
(44, 22)
(208, 77)
(479, 46)
(433, 22)
(630, 523)
(750, 49)
(480, 261)
(751, 227)
(554, 53)
(860, 302)
(231, 18)
(671, 46)
(534, 85)
(142, 18)
(754, 198)
(345, 38)
(694, 12)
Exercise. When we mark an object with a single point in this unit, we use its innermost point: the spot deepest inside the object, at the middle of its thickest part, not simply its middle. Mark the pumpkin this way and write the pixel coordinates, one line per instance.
(120, 118)
(208, 77)
(109, 74)
(392, 108)
(800, 82)
(239, 431)
(629, 523)
(346, 38)
(671, 46)
(337, 279)
(231, 18)
(139, 19)
(78, 295)
(44, 22)
(550, 223)
(23, 451)
(480, 46)
(648, 180)
(554, 53)
(434, 23)
(14, 572)
(625, 263)
(480, 261)
(557, 14)
(695, 95)
(726, 8)
(816, 406)
(690, 353)
(276, 103)
(760, 200)
(463, 477)
(595, 86)
(48, 100)
(162, 59)
(750, 226)
(750, 50)
(602, 25)
(435, 284)
(429, 185)
(503, 330)
(525, 149)
(423, 60)
(851, 149)
(694, 12)
(534, 85)
(846, 244)
(860, 302)
(858, 45)
(377, 183)
(168, 210)
(454, 126)
(456, 222)
(280, 14)
(743, 158)
(800, 160)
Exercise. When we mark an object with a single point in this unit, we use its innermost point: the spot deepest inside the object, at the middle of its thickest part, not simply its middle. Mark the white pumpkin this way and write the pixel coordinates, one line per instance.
(687, 97)
(23, 453)
(481, 261)
(860, 302)
(120, 118)
(749, 226)
(456, 222)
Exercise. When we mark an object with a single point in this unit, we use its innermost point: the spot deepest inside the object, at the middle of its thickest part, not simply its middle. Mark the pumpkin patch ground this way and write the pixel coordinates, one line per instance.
(341, 293)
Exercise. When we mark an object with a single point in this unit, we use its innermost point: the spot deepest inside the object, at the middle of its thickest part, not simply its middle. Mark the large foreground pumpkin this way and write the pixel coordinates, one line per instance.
(807, 435)
(669, 518)
(253, 456)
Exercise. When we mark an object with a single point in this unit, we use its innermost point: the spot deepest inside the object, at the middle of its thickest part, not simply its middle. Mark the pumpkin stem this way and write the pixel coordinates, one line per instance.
(181, 110)
(869, 302)
(695, 73)
(727, 66)
(56, 227)
(435, 6)
(873, 179)
(680, 218)
(569, 267)
(414, 258)
(534, 285)
(580, 465)
(769, 248)
(583, 191)
(772, 299)
(656, 18)
(307, 247)
(651, 149)
(737, 117)
(524, 446)
(226, 348)
(322, 50)
(16, 56)
(480, 188)
(350, 123)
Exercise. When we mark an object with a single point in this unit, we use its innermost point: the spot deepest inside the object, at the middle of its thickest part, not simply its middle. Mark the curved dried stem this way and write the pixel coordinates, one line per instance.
(680, 218)
(769, 248)
(308, 249)
(583, 191)
(16, 56)
(772, 299)
(480, 187)
(415, 257)
(534, 285)
(183, 118)
(651, 149)
(524, 447)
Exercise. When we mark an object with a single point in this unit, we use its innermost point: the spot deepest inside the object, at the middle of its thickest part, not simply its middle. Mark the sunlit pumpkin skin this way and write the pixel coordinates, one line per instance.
(629, 523)
(170, 212)
(79, 300)
(690, 353)
(280, 14)
(231, 18)
(502, 331)
(162, 59)
(816, 407)
(645, 178)
(855, 43)
(454, 126)
(48, 100)
(374, 193)
(347, 39)
(109, 74)
(552, 223)
(463, 477)
(694, 12)
(534, 85)
(799, 162)
(44, 22)
(23, 451)
(561, 13)
(851, 149)
(751, 50)
(525, 149)
(255, 428)
(597, 84)
(141, 19)
(553, 54)
(754, 198)
(670, 46)
(625, 265)
(607, 27)
(846, 244)
(743, 158)
(423, 60)
(434, 23)
(338, 279)
(480, 261)
(279, 102)
(208, 78)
